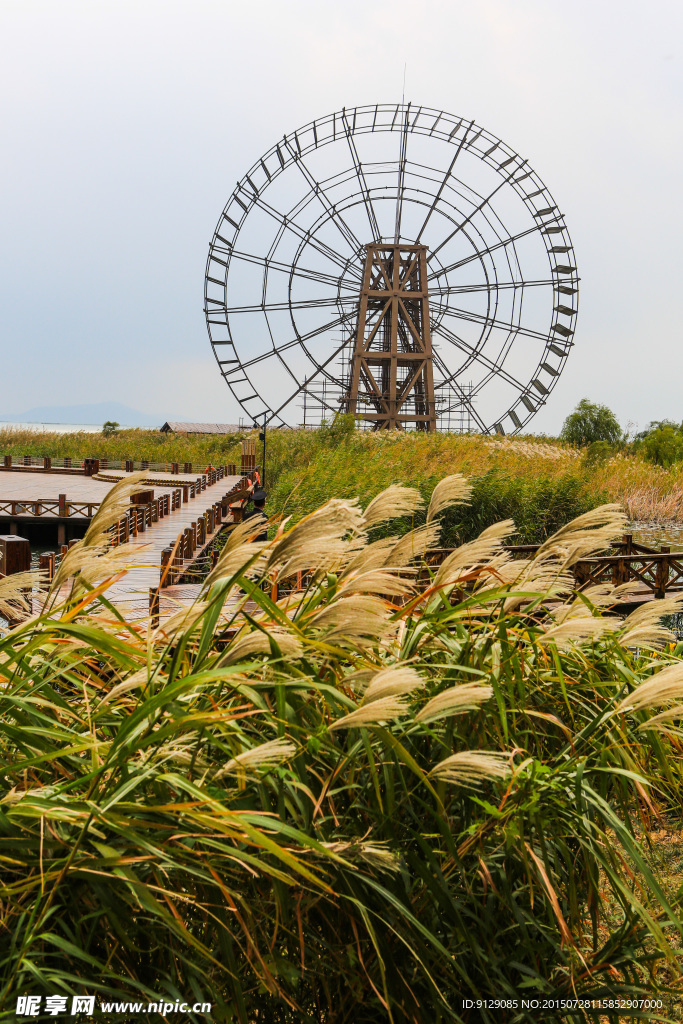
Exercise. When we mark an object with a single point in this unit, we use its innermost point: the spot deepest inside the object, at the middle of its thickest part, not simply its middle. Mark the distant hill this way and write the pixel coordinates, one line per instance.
(95, 413)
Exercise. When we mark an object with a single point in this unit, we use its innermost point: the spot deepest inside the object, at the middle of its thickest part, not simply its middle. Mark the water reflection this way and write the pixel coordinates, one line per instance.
(654, 535)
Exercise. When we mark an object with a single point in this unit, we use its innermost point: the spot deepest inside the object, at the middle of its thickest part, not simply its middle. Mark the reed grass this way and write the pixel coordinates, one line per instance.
(341, 806)
(541, 483)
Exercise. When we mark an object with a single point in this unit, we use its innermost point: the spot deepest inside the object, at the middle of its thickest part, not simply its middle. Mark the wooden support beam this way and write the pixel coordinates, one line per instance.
(391, 380)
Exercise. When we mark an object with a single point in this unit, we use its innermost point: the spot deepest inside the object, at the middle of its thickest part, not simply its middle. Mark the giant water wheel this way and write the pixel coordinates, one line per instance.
(396, 262)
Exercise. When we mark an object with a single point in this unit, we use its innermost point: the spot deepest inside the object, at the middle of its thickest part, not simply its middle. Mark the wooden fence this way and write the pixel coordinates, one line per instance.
(91, 466)
(658, 572)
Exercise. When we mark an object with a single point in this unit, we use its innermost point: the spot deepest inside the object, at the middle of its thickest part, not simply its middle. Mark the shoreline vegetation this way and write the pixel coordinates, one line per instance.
(392, 796)
(541, 483)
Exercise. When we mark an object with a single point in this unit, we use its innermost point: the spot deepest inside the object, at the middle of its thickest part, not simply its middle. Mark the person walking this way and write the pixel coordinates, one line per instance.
(259, 498)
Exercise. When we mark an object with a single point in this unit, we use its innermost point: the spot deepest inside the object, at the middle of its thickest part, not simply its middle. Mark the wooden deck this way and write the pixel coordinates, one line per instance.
(35, 496)
(131, 593)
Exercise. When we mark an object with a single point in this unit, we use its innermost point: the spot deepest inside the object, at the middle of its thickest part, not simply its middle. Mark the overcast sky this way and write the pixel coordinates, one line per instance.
(126, 124)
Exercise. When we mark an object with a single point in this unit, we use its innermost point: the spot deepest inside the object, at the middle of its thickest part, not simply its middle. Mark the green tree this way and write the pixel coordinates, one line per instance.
(591, 422)
(661, 444)
(110, 427)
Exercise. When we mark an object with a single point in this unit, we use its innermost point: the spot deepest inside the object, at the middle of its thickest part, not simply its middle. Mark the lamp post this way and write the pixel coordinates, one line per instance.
(262, 437)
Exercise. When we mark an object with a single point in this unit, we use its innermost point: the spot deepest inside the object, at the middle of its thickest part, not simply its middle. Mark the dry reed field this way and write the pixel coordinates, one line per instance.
(307, 467)
(398, 795)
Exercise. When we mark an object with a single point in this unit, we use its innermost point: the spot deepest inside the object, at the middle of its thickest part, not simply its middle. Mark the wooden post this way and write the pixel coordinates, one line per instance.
(46, 563)
(662, 574)
(67, 462)
(63, 507)
(15, 555)
(174, 468)
(44, 566)
(193, 527)
(187, 533)
(47, 463)
(167, 577)
(186, 493)
(8, 461)
(154, 607)
(188, 467)
(619, 572)
(214, 557)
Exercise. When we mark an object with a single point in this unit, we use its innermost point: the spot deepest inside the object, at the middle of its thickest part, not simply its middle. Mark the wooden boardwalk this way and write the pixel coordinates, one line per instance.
(144, 551)
(35, 495)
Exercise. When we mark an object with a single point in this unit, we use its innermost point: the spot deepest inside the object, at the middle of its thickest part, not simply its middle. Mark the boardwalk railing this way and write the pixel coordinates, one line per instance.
(659, 572)
(190, 544)
(90, 466)
(139, 517)
(59, 507)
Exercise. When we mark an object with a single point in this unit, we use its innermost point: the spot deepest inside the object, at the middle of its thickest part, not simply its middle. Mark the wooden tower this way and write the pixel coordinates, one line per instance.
(391, 381)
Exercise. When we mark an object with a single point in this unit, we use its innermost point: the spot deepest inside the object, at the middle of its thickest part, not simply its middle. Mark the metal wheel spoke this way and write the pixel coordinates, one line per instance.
(365, 191)
(298, 340)
(353, 242)
(485, 252)
(448, 335)
(401, 176)
(478, 209)
(312, 377)
(305, 236)
(466, 289)
(478, 318)
(273, 307)
(444, 182)
(286, 268)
